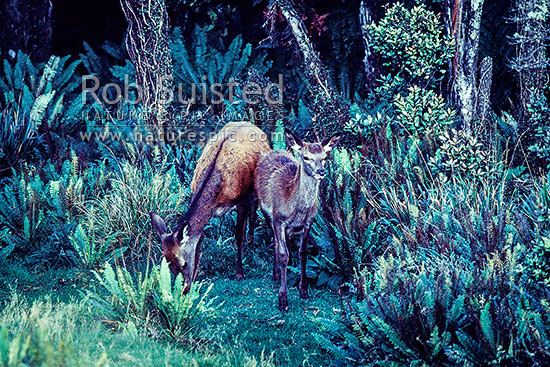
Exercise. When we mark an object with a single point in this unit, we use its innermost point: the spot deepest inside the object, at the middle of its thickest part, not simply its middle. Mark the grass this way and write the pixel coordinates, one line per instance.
(48, 309)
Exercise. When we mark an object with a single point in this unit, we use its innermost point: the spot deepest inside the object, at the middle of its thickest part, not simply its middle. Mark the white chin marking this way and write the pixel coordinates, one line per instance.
(319, 177)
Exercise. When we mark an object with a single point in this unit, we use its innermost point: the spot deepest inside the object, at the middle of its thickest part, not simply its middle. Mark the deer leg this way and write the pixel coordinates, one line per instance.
(289, 247)
(303, 262)
(280, 244)
(276, 269)
(276, 265)
(240, 232)
(252, 221)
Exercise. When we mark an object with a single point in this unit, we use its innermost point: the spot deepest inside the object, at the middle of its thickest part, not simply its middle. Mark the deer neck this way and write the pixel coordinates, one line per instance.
(308, 189)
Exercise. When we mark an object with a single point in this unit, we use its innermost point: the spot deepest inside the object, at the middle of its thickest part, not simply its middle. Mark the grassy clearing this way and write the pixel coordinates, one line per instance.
(50, 323)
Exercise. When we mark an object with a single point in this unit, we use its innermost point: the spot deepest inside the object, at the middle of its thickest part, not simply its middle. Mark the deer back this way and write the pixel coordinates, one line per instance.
(237, 161)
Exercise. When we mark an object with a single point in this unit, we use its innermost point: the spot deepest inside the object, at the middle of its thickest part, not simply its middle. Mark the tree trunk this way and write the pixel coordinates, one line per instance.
(531, 65)
(26, 25)
(331, 112)
(365, 18)
(148, 45)
(463, 24)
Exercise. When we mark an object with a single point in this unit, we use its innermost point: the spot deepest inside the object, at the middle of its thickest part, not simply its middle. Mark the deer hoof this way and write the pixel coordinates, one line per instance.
(304, 294)
(239, 277)
(283, 303)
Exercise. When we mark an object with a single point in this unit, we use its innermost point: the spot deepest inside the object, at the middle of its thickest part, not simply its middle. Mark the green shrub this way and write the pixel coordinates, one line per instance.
(421, 113)
(412, 42)
(435, 310)
(344, 228)
(538, 263)
(155, 299)
(123, 212)
(462, 155)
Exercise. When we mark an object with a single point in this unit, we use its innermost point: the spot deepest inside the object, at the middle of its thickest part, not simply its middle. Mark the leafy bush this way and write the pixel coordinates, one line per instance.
(345, 228)
(538, 264)
(412, 42)
(123, 212)
(463, 155)
(154, 297)
(436, 310)
(422, 113)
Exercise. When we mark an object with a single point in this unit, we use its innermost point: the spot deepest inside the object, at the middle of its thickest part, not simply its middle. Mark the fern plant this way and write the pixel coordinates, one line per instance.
(41, 91)
(154, 298)
(345, 228)
(19, 140)
(40, 207)
(181, 312)
(428, 309)
(205, 57)
(90, 250)
(129, 293)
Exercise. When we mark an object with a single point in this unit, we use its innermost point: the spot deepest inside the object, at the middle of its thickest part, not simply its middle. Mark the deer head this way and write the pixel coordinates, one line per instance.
(180, 248)
(312, 155)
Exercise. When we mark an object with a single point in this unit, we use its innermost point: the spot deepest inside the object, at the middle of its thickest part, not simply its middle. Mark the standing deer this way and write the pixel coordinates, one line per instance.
(223, 180)
(287, 190)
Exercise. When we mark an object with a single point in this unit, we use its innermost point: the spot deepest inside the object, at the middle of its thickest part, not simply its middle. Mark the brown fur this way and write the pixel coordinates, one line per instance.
(313, 148)
(280, 169)
(237, 160)
(223, 179)
(288, 190)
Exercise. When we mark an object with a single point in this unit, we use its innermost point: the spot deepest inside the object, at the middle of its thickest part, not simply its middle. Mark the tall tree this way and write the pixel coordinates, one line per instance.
(470, 80)
(531, 65)
(148, 45)
(331, 112)
(26, 25)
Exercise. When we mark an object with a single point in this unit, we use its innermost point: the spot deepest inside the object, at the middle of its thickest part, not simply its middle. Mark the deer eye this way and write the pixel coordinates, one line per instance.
(307, 158)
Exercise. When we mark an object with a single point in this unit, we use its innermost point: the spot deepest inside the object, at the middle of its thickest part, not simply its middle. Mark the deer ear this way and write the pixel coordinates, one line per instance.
(292, 141)
(158, 224)
(182, 232)
(330, 143)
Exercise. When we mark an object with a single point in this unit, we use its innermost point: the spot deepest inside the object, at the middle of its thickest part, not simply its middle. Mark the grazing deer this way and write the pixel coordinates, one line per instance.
(223, 179)
(287, 190)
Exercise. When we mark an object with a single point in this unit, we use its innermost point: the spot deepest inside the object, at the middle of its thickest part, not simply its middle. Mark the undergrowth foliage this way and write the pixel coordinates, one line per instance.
(154, 299)
(428, 309)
